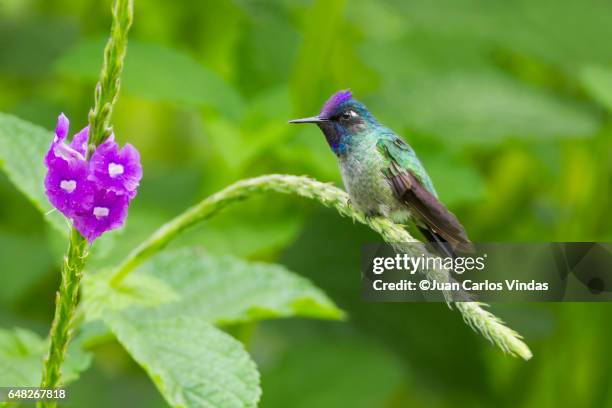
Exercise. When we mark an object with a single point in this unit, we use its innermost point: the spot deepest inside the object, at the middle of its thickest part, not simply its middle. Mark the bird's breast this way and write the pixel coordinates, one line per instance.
(368, 189)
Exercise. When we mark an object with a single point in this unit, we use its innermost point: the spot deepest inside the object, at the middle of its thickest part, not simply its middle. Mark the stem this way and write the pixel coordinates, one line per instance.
(65, 302)
(493, 328)
(473, 313)
(107, 91)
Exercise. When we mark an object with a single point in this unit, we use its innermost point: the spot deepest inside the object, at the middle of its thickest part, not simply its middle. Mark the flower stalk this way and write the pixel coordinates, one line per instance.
(65, 301)
(479, 319)
(106, 94)
(107, 89)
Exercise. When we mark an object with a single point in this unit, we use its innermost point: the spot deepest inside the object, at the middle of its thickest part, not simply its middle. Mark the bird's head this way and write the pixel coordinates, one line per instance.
(342, 119)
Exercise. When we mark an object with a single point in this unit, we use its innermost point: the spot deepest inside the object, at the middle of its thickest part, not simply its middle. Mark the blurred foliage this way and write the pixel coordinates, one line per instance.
(20, 352)
(507, 103)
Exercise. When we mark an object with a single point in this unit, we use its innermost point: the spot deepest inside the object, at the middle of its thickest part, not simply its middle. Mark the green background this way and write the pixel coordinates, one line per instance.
(507, 103)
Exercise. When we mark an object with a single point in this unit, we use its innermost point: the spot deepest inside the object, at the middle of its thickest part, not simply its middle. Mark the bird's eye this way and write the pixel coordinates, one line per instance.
(348, 115)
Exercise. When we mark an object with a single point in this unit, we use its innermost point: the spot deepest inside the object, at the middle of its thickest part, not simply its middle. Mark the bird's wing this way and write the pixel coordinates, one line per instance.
(414, 189)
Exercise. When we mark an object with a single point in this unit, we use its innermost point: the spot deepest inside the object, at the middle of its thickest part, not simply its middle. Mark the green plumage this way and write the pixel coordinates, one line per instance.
(383, 175)
(395, 149)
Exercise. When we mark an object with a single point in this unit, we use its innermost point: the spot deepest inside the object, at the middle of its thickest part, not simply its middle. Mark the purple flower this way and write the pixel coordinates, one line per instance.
(59, 149)
(108, 211)
(95, 195)
(118, 170)
(61, 129)
(68, 188)
(66, 184)
(79, 141)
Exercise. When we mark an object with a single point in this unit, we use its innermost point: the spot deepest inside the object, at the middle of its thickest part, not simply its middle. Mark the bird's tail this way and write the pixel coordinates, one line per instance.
(442, 247)
(446, 250)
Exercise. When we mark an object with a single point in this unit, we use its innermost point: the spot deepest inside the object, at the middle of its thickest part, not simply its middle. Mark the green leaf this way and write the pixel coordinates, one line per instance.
(137, 289)
(221, 289)
(21, 357)
(163, 312)
(158, 73)
(229, 290)
(22, 148)
(192, 363)
(598, 83)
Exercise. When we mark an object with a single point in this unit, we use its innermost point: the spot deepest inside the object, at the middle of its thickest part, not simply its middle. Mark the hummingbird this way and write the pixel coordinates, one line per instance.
(383, 175)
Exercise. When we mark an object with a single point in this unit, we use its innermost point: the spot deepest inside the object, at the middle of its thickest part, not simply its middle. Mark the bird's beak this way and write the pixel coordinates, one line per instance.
(312, 119)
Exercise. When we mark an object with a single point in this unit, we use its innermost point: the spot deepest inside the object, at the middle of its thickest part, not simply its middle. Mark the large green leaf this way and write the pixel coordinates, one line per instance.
(219, 289)
(229, 290)
(21, 357)
(156, 72)
(138, 289)
(22, 149)
(163, 313)
(192, 363)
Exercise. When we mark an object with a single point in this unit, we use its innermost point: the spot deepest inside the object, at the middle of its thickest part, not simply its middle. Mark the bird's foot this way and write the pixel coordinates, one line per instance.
(369, 215)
